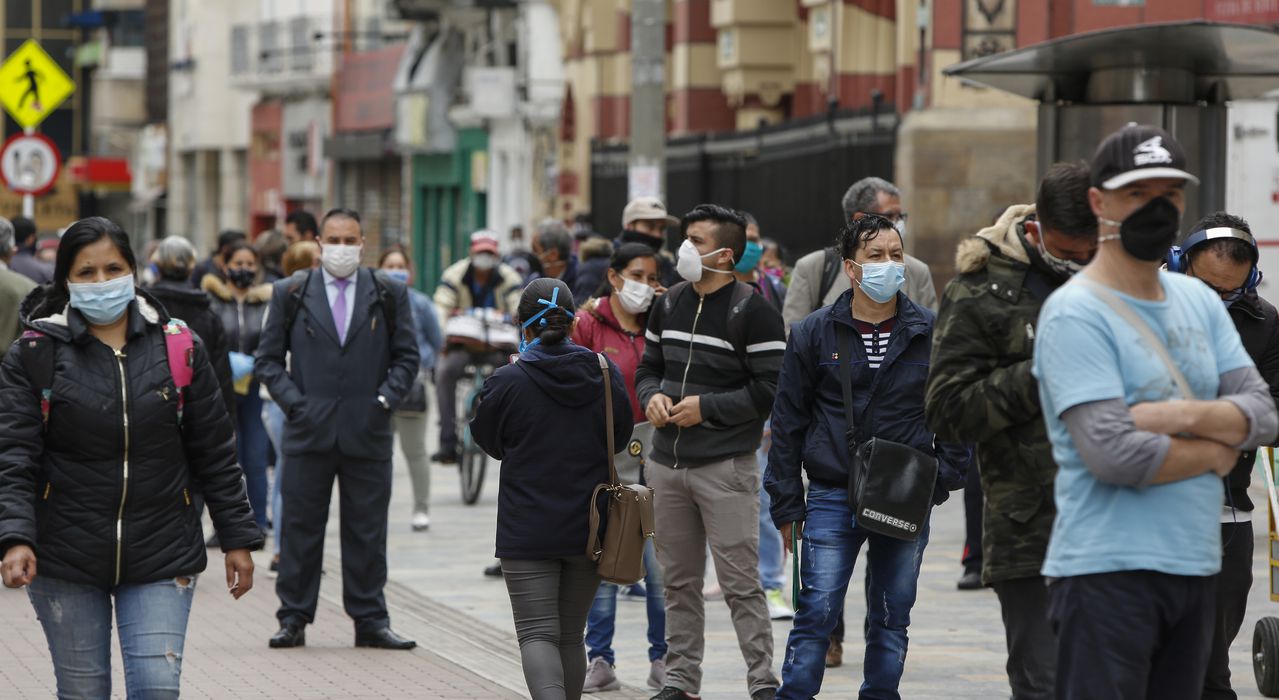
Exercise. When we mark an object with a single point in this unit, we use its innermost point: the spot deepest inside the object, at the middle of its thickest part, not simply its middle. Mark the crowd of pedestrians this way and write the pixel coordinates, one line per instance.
(1082, 375)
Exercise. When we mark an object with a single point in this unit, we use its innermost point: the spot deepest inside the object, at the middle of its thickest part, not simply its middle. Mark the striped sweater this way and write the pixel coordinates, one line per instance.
(689, 353)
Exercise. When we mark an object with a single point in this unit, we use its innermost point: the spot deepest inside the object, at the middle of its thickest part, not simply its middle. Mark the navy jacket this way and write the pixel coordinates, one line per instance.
(543, 416)
(329, 391)
(808, 413)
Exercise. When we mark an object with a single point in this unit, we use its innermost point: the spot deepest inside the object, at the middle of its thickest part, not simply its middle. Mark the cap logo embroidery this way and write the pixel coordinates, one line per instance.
(1150, 152)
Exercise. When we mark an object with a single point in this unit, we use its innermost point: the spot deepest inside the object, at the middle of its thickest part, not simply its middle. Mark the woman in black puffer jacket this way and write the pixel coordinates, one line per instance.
(95, 478)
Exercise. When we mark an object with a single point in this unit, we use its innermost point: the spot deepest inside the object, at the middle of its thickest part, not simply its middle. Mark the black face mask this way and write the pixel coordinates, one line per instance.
(637, 237)
(1148, 232)
(241, 277)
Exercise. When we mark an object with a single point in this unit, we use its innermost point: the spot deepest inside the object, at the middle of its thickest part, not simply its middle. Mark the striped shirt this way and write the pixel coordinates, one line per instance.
(875, 337)
(690, 352)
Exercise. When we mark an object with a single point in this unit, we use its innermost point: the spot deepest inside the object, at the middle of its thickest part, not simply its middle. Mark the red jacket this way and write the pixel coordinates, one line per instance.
(598, 330)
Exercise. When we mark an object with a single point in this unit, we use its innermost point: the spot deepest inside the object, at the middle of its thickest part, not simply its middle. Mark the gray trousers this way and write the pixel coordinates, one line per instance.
(411, 427)
(549, 601)
(716, 503)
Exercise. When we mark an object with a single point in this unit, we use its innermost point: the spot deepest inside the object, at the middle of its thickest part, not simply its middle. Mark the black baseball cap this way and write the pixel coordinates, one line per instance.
(1138, 152)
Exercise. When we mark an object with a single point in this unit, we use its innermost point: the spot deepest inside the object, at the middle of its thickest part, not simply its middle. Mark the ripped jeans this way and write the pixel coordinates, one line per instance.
(152, 622)
(828, 550)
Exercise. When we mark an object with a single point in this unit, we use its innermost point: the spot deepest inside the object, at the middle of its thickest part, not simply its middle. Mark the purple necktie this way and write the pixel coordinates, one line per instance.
(339, 309)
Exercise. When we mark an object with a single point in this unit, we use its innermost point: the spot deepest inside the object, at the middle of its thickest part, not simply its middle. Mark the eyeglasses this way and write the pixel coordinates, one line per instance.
(894, 217)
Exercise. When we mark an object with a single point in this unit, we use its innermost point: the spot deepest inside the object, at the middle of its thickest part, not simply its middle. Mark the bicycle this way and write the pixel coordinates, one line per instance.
(487, 335)
(472, 461)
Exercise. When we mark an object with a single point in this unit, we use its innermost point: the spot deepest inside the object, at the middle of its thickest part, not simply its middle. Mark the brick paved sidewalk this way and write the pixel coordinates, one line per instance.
(227, 655)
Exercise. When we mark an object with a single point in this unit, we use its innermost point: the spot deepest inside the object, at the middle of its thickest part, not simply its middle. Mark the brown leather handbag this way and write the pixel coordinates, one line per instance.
(619, 558)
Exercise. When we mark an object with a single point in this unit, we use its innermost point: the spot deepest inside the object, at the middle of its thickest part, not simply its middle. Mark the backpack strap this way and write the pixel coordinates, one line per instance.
(179, 344)
(830, 270)
(293, 302)
(35, 349)
(387, 300)
(742, 294)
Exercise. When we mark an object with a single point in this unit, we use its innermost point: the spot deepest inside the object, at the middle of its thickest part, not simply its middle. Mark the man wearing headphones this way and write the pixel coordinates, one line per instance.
(1222, 254)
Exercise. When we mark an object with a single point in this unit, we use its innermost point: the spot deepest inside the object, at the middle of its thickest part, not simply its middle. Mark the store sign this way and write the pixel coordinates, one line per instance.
(365, 98)
(990, 27)
(1243, 11)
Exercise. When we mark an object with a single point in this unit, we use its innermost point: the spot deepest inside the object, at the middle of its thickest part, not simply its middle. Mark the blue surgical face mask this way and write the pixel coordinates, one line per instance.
(881, 281)
(102, 303)
(750, 257)
(397, 275)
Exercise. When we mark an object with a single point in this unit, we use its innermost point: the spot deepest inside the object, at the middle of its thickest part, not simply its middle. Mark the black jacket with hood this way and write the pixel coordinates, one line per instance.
(192, 306)
(103, 494)
(543, 416)
(1258, 324)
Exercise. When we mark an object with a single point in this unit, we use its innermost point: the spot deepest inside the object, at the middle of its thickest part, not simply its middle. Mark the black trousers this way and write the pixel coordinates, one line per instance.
(1132, 634)
(1032, 646)
(364, 488)
(1232, 601)
(972, 521)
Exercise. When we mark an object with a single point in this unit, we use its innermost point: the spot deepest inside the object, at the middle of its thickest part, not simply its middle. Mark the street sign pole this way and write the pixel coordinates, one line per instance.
(28, 199)
(646, 174)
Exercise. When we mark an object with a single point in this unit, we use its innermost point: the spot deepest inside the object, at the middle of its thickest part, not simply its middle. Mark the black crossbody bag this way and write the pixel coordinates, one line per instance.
(890, 485)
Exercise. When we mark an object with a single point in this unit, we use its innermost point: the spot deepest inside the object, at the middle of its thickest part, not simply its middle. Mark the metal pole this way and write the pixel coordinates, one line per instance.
(28, 199)
(647, 158)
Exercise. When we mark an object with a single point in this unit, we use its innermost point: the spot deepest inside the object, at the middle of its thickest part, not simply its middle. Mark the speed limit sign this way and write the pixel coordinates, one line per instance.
(29, 163)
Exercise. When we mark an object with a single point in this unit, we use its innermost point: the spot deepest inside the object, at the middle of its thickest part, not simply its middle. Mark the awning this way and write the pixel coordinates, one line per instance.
(360, 145)
(1216, 61)
(100, 173)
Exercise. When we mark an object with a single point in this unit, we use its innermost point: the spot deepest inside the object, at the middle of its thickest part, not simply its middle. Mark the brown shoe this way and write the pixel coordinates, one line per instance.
(835, 654)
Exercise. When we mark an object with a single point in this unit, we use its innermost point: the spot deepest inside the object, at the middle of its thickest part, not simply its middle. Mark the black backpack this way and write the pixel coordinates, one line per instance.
(742, 294)
(297, 288)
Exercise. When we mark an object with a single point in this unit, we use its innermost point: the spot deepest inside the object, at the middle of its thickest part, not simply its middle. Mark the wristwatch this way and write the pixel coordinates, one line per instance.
(383, 402)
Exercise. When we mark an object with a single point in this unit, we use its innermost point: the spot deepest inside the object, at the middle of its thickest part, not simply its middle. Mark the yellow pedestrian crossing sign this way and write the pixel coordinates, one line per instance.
(32, 84)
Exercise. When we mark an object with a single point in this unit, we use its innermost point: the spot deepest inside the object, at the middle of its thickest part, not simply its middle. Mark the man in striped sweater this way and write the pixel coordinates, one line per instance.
(707, 383)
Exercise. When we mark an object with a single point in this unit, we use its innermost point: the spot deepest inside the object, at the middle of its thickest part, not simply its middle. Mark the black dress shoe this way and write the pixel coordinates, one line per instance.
(494, 571)
(970, 581)
(445, 457)
(290, 635)
(383, 639)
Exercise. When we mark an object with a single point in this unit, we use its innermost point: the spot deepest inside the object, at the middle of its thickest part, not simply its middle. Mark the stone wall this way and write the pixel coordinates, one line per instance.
(958, 169)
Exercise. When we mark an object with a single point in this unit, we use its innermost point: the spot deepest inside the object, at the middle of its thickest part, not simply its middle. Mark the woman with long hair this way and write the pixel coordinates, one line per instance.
(100, 450)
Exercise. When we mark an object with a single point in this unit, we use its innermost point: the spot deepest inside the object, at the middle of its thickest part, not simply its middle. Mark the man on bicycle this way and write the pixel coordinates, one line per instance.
(480, 281)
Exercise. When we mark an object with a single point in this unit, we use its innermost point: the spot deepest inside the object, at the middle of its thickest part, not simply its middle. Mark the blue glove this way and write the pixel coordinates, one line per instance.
(241, 366)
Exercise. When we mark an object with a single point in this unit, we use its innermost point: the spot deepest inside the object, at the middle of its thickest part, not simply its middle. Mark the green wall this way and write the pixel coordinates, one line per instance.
(446, 210)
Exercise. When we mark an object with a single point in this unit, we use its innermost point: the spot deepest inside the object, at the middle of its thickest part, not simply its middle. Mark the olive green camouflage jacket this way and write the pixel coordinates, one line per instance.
(980, 389)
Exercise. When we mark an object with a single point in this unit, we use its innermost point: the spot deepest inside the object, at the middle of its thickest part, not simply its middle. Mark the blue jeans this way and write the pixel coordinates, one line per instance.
(152, 623)
(772, 562)
(251, 445)
(603, 616)
(273, 421)
(831, 543)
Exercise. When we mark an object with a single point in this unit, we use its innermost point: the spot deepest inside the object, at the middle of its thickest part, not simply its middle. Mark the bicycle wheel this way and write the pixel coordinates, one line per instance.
(474, 461)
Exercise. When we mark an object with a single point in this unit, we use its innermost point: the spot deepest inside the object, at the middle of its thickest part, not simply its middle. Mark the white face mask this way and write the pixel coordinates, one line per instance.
(484, 261)
(689, 262)
(341, 261)
(635, 297)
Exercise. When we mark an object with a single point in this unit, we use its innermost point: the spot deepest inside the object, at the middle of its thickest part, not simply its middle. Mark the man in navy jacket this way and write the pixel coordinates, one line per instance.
(889, 367)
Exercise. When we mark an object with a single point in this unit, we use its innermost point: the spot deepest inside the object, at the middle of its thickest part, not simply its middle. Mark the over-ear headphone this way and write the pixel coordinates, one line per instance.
(1179, 256)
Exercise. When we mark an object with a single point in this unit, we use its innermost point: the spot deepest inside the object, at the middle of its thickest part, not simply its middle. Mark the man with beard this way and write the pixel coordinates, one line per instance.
(644, 220)
(981, 390)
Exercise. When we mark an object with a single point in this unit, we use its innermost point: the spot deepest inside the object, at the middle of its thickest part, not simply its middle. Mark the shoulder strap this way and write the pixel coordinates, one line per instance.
(593, 546)
(830, 270)
(672, 297)
(36, 352)
(1143, 329)
(179, 345)
(387, 299)
(845, 338)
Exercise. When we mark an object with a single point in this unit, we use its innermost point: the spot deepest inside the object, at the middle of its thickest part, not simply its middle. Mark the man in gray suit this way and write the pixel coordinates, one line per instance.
(816, 282)
(352, 356)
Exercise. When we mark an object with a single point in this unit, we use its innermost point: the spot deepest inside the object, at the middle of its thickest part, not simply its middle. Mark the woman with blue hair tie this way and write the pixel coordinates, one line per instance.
(543, 416)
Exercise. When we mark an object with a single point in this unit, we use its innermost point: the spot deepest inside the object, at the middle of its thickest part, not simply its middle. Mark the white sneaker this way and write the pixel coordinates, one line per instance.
(421, 522)
(657, 675)
(600, 677)
(778, 608)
